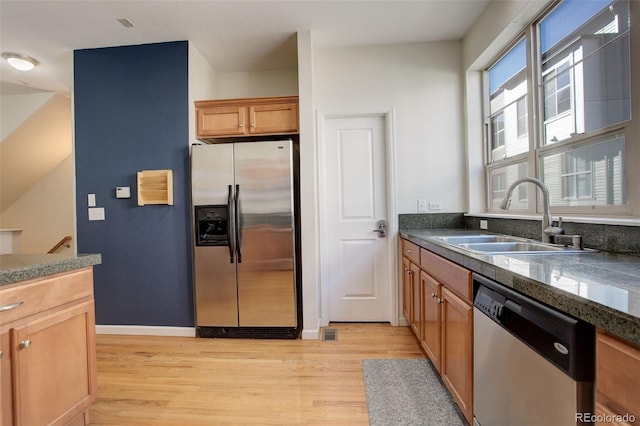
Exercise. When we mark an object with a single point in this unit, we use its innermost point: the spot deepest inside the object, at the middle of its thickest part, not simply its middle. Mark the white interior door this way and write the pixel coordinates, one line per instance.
(356, 263)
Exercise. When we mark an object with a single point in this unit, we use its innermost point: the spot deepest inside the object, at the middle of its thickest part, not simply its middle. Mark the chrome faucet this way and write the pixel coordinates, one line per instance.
(548, 230)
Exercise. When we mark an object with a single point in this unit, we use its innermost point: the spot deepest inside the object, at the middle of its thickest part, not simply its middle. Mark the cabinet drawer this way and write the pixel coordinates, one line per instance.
(31, 297)
(453, 276)
(617, 376)
(411, 251)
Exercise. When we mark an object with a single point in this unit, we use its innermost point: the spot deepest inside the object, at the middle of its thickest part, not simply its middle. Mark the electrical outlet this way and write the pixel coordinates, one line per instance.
(484, 224)
(435, 206)
(422, 206)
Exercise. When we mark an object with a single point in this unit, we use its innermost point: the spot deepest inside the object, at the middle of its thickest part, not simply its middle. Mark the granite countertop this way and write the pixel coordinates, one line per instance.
(599, 287)
(22, 267)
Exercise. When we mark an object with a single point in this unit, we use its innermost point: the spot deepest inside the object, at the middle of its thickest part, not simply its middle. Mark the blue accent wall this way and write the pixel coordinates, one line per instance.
(131, 114)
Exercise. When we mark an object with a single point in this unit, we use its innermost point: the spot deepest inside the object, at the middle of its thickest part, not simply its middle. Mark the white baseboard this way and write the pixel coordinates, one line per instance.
(402, 322)
(146, 330)
(310, 334)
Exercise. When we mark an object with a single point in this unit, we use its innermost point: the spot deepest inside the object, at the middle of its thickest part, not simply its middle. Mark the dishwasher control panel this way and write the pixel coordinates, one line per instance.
(489, 302)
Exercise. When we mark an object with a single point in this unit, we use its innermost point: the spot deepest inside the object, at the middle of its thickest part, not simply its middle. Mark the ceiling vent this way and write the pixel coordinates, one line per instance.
(126, 23)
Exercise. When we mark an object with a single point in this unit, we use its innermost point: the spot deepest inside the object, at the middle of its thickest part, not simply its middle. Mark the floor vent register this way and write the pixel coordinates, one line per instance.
(329, 335)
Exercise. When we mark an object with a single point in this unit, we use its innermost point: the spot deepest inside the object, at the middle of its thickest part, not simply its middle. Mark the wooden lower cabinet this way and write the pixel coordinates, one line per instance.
(431, 318)
(410, 282)
(410, 294)
(444, 324)
(457, 350)
(407, 285)
(48, 367)
(416, 310)
(617, 381)
(6, 401)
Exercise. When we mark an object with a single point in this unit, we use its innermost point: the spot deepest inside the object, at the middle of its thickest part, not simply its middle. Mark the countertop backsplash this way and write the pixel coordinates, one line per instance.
(610, 238)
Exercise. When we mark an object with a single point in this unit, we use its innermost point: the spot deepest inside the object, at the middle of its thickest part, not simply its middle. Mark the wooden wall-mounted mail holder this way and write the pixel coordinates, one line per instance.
(155, 187)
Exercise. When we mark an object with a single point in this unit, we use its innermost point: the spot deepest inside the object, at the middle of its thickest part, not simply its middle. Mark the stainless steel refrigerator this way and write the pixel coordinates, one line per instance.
(244, 228)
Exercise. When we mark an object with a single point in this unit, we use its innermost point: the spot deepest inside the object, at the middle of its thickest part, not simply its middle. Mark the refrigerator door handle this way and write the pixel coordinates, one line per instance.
(237, 225)
(230, 226)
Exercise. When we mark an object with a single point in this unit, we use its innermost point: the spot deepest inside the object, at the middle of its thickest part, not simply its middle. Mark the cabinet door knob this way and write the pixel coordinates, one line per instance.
(1, 353)
(440, 300)
(434, 295)
(25, 343)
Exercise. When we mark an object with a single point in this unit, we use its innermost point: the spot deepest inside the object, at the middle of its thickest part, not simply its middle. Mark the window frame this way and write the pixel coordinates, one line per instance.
(536, 128)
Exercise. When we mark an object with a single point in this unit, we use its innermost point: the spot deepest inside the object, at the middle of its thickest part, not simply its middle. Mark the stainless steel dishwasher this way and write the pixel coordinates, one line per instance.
(533, 365)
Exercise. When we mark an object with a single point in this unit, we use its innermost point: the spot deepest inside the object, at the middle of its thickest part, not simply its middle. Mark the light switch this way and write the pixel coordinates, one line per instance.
(96, 213)
(91, 200)
(123, 192)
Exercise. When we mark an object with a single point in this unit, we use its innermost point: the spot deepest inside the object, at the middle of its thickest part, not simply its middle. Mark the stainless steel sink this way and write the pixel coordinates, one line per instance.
(472, 239)
(517, 247)
(505, 244)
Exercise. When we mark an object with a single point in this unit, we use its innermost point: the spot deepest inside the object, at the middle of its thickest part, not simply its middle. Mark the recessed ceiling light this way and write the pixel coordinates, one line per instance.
(19, 61)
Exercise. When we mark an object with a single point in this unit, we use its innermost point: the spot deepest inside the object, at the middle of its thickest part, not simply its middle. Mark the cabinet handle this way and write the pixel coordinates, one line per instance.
(409, 251)
(25, 344)
(440, 300)
(10, 306)
(253, 124)
(434, 295)
(407, 270)
(241, 125)
(1, 353)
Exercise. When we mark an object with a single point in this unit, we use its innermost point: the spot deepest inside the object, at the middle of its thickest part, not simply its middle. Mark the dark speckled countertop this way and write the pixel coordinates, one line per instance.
(599, 287)
(22, 267)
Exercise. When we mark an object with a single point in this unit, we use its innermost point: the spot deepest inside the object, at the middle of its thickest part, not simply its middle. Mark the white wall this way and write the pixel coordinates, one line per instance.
(308, 190)
(422, 83)
(256, 84)
(15, 109)
(46, 213)
(202, 78)
(42, 189)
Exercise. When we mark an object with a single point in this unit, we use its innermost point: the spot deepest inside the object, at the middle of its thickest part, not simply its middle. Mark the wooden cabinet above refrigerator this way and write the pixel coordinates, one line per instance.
(246, 117)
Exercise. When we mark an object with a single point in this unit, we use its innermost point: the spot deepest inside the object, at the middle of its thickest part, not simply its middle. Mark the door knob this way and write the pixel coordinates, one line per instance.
(382, 228)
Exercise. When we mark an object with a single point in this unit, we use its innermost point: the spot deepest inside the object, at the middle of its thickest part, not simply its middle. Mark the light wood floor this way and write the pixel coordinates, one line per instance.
(188, 381)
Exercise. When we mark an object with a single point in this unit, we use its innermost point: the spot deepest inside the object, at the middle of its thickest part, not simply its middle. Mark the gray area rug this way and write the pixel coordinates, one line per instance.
(407, 392)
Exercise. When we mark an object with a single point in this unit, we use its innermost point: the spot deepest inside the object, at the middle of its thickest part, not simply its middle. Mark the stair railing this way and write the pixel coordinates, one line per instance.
(62, 242)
